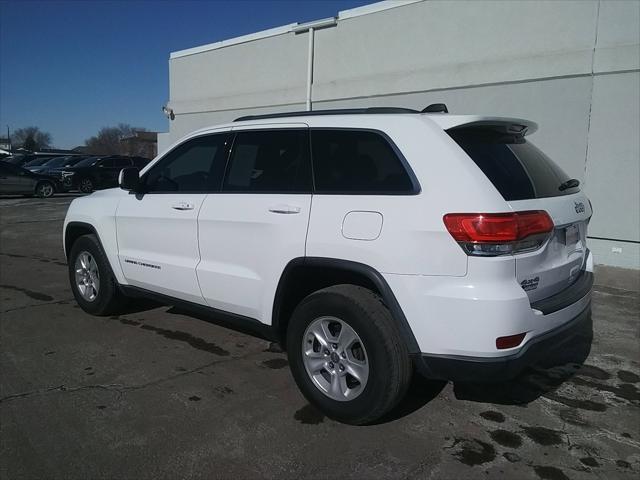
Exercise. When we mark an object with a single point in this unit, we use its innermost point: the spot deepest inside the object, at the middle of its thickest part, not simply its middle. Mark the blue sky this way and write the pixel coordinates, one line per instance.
(73, 67)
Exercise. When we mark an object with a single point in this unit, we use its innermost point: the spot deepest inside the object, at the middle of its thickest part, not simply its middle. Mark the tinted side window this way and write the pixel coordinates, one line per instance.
(121, 162)
(355, 161)
(517, 169)
(194, 166)
(269, 161)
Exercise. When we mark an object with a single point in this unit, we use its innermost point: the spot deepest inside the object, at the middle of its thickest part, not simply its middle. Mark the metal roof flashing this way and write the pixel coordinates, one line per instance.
(295, 27)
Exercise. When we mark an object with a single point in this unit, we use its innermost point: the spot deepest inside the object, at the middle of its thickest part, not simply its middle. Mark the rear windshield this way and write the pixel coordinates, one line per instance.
(517, 169)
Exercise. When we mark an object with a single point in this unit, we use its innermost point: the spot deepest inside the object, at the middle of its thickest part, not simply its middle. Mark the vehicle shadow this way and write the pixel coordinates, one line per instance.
(559, 366)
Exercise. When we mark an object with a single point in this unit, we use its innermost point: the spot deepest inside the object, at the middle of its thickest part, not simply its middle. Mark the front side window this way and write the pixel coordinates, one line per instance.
(194, 166)
(121, 162)
(269, 161)
(358, 162)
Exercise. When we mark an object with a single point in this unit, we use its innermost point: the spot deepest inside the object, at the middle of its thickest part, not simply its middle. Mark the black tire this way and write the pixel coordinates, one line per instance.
(86, 185)
(390, 367)
(109, 299)
(45, 189)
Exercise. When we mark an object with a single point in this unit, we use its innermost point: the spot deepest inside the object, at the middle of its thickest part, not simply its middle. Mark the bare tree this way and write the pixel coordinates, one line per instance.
(108, 140)
(31, 138)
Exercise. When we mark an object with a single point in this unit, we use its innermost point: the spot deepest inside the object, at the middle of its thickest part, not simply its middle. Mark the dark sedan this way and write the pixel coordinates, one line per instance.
(16, 180)
(95, 173)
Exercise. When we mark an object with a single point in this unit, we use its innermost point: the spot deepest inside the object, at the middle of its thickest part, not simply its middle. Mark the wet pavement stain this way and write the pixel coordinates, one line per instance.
(575, 403)
(506, 438)
(50, 353)
(626, 391)
(308, 415)
(29, 293)
(543, 436)
(195, 398)
(492, 416)
(512, 457)
(185, 337)
(549, 473)
(623, 464)
(126, 321)
(474, 452)
(223, 391)
(573, 417)
(628, 377)
(274, 347)
(180, 369)
(275, 363)
(593, 372)
(101, 407)
(590, 462)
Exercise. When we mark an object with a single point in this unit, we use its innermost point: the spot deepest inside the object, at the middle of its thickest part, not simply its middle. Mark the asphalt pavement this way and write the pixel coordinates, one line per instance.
(156, 394)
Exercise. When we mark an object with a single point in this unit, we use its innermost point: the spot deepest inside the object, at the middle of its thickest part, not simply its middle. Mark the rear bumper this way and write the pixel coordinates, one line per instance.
(576, 333)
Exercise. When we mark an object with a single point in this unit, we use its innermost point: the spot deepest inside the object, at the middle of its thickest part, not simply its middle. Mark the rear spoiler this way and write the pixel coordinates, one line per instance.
(504, 125)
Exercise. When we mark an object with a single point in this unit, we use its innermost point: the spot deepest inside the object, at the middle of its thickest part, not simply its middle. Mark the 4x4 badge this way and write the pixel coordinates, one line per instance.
(579, 206)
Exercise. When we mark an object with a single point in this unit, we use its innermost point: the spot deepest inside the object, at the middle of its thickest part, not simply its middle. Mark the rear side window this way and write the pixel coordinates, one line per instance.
(357, 162)
(517, 169)
(269, 161)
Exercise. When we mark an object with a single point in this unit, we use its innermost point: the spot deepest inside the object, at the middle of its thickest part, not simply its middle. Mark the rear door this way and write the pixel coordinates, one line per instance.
(529, 180)
(258, 222)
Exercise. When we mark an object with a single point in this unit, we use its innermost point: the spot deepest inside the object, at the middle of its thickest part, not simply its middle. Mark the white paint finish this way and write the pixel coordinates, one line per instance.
(464, 316)
(99, 210)
(359, 225)
(244, 248)
(555, 264)
(613, 163)
(152, 232)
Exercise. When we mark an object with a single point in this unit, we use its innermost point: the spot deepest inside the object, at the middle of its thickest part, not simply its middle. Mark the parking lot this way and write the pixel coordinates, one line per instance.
(155, 394)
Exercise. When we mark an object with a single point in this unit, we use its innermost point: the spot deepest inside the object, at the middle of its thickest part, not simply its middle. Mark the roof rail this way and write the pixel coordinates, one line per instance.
(338, 111)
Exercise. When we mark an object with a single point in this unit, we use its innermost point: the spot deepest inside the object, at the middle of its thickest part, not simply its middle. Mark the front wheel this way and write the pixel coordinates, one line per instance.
(347, 355)
(45, 189)
(92, 282)
(86, 185)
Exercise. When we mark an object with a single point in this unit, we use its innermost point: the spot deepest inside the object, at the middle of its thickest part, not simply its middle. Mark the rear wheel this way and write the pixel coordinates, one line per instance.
(347, 355)
(86, 185)
(45, 189)
(92, 282)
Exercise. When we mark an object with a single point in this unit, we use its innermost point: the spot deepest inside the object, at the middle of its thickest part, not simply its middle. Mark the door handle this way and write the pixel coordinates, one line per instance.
(284, 209)
(183, 206)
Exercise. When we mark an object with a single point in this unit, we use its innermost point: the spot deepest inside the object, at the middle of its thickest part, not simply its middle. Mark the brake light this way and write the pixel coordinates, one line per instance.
(491, 234)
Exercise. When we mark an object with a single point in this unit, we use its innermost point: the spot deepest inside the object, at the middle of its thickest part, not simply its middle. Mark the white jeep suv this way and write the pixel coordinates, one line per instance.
(369, 242)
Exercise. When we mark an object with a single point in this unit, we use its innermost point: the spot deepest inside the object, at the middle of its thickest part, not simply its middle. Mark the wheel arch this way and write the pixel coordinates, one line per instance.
(305, 275)
(74, 230)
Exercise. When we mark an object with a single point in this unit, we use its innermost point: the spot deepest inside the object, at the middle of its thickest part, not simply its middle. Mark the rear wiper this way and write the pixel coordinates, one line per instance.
(572, 183)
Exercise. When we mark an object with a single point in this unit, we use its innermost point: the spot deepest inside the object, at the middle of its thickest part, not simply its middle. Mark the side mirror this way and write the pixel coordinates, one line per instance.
(129, 179)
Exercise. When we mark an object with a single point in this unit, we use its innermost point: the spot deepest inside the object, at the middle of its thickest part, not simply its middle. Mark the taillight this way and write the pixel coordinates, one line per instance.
(491, 234)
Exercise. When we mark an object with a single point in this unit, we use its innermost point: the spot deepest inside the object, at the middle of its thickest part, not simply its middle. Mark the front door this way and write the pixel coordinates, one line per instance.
(158, 228)
(258, 223)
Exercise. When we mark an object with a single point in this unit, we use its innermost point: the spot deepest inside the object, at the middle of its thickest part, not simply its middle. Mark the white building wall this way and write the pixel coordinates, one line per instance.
(573, 67)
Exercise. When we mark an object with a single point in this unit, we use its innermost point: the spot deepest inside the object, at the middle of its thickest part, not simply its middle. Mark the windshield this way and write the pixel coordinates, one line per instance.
(56, 162)
(37, 161)
(518, 169)
(87, 162)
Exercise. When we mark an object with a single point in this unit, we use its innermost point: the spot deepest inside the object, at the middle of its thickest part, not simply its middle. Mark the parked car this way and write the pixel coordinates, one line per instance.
(55, 163)
(21, 159)
(370, 242)
(36, 162)
(16, 180)
(95, 173)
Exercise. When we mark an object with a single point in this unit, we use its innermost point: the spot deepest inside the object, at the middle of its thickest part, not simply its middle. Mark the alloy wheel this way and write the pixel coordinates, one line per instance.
(335, 358)
(87, 276)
